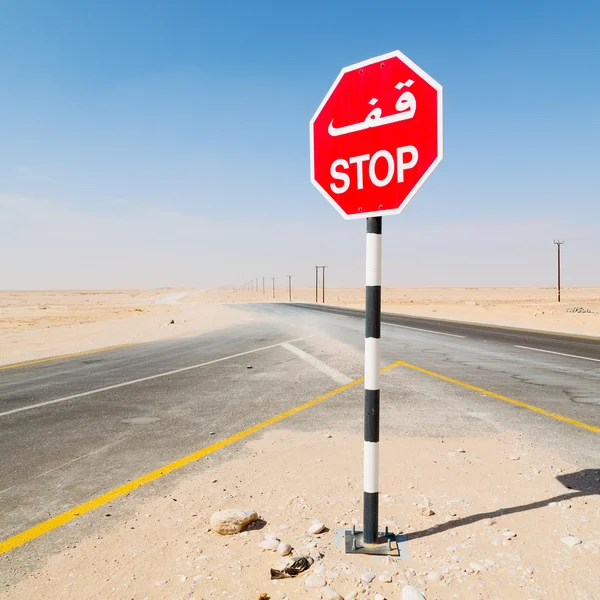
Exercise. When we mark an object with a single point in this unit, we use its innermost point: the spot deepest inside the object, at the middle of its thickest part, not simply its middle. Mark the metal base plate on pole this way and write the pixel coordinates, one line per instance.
(388, 544)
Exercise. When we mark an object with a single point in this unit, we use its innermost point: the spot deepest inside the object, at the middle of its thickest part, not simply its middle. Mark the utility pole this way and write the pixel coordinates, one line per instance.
(263, 285)
(290, 286)
(323, 280)
(273, 278)
(558, 245)
(316, 284)
(317, 267)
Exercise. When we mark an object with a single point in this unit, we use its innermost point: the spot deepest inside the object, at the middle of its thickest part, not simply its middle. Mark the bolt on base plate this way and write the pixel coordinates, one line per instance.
(388, 544)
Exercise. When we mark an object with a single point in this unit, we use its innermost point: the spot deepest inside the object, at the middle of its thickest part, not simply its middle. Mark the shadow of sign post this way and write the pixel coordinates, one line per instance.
(580, 483)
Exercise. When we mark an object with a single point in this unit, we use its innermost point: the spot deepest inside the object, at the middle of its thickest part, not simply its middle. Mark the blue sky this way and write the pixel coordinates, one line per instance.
(166, 143)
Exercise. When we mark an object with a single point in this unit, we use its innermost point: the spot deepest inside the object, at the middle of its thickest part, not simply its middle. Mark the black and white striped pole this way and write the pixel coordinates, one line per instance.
(369, 163)
(372, 375)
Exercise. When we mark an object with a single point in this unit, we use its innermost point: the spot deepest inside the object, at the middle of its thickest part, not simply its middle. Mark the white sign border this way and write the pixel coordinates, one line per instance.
(440, 124)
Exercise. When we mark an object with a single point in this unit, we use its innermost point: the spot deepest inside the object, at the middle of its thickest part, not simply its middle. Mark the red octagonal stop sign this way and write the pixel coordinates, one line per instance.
(377, 136)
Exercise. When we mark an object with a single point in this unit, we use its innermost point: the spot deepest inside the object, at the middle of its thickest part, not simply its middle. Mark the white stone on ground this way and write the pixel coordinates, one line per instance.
(379, 597)
(314, 581)
(350, 595)
(284, 548)
(367, 576)
(435, 576)
(228, 522)
(328, 593)
(509, 535)
(570, 540)
(315, 554)
(316, 527)
(410, 592)
(385, 577)
(271, 545)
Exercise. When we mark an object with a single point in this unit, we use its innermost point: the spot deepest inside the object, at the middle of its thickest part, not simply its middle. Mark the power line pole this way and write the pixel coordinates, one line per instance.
(558, 245)
(263, 285)
(317, 267)
(273, 278)
(290, 286)
(316, 284)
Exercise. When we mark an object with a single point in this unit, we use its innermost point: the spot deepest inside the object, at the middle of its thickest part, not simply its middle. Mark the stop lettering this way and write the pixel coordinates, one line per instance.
(379, 175)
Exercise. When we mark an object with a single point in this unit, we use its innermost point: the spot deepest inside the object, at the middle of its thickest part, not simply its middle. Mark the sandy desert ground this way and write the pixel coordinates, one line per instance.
(37, 324)
(509, 522)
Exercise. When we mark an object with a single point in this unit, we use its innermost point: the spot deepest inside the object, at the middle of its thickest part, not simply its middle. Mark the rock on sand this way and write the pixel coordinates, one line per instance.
(228, 522)
(316, 527)
(410, 592)
(284, 548)
(271, 545)
(314, 581)
(570, 540)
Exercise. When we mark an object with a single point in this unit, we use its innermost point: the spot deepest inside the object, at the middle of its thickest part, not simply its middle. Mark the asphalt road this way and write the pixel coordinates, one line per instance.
(72, 429)
(557, 343)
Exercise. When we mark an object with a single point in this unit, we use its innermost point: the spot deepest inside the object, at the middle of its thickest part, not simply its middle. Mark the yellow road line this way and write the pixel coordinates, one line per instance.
(62, 356)
(41, 528)
(540, 411)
